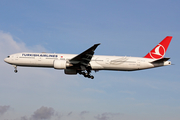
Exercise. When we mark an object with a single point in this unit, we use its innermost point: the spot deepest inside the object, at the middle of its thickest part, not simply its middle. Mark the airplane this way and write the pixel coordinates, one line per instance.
(86, 61)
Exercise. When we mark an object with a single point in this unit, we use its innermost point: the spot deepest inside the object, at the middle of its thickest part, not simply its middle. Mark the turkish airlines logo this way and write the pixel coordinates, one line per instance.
(158, 52)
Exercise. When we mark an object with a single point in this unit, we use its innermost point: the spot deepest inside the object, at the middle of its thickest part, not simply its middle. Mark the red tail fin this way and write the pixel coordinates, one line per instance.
(159, 51)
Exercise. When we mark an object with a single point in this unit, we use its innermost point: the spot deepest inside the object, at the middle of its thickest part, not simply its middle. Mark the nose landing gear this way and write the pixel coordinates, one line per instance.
(15, 71)
(15, 67)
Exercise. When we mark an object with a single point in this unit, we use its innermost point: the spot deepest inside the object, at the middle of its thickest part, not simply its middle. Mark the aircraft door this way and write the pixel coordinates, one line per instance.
(107, 61)
(16, 57)
(38, 60)
(138, 63)
(12, 57)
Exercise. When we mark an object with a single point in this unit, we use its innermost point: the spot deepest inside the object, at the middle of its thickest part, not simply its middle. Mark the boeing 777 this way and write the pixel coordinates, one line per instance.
(86, 61)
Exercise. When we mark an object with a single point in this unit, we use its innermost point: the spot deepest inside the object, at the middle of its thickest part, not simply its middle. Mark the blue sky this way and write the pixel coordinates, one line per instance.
(130, 28)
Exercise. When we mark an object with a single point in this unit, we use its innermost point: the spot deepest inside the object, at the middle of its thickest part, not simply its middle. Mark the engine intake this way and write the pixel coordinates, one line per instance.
(60, 64)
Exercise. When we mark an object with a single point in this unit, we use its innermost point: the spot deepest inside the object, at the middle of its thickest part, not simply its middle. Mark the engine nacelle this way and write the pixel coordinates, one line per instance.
(60, 64)
(70, 71)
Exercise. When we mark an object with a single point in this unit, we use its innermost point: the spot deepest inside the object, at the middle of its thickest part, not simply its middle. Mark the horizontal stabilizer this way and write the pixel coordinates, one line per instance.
(160, 60)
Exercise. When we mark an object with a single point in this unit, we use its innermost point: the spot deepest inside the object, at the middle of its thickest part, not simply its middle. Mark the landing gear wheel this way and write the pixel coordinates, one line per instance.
(92, 77)
(86, 74)
(15, 67)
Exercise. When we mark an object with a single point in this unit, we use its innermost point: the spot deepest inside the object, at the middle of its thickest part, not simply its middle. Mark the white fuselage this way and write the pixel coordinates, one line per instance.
(98, 62)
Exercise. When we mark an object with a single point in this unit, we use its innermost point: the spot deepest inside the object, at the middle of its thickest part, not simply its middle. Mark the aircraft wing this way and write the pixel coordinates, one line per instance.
(84, 58)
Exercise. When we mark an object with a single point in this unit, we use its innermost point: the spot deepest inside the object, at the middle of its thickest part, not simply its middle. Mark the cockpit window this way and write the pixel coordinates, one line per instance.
(8, 56)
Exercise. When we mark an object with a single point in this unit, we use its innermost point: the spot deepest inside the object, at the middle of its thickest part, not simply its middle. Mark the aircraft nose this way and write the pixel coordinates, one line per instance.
(6, 60)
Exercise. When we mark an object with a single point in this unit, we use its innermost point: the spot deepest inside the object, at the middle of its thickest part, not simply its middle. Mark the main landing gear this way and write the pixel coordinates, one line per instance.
(15, 67)
(86, 74)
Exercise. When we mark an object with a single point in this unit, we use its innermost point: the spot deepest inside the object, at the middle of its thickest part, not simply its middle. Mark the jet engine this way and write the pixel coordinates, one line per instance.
(60, 64)
(70, 71)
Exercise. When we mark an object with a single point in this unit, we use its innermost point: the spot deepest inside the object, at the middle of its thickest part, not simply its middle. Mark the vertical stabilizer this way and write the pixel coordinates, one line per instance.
(159, 51)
